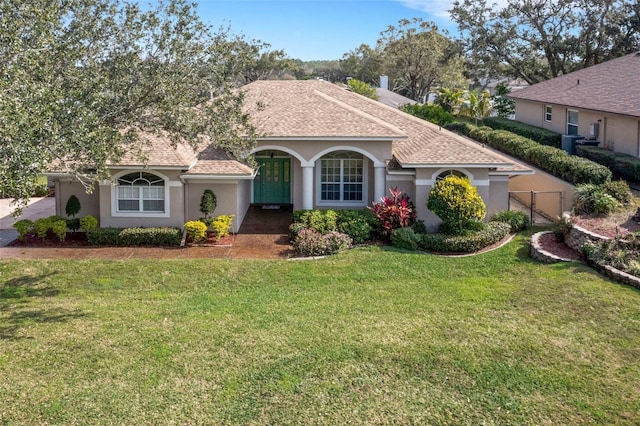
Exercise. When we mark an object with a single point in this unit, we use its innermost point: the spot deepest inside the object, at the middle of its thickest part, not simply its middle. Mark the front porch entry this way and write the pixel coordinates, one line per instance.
(272, 184)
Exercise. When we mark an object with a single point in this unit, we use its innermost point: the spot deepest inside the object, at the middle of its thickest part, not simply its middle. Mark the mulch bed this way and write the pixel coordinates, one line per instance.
(549, 243)
(79, 239)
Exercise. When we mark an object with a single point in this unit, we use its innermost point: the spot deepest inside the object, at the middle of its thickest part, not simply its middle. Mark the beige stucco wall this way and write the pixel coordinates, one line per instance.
(230, 201)
(382, 150)
(547, 203)
(616, 132)
(89, 203)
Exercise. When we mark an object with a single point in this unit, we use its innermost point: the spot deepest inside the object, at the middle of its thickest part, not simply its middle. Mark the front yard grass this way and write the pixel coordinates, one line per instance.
(370, 336)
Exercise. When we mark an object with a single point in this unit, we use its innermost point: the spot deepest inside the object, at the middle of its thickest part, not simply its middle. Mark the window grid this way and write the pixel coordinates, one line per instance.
(341, 179)
(548, 112)
(140, 192)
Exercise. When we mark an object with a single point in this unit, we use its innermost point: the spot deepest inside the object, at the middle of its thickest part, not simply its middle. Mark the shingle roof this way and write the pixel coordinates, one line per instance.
(158, 151)
(306, 109)
(205, 160)
(317, 108)
(612, 86)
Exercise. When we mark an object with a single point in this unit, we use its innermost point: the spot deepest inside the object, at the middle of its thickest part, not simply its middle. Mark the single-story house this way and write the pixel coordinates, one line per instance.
(601, 103)
(319, 146)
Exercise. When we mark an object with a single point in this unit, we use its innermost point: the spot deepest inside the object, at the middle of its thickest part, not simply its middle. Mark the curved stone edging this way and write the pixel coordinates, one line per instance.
(579, 236)
(538, 253)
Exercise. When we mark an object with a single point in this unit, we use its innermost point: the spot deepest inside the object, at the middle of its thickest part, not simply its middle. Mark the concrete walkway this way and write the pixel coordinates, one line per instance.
(37, 208)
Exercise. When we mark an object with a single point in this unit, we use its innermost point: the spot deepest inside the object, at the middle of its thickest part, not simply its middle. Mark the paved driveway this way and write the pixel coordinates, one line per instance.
(37, 208)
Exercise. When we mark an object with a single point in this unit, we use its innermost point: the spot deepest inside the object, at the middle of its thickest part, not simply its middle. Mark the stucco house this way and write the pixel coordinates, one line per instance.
(320, 146)
(601, 103)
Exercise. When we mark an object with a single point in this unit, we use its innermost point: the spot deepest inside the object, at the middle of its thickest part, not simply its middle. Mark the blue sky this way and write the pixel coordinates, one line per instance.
(319, 29)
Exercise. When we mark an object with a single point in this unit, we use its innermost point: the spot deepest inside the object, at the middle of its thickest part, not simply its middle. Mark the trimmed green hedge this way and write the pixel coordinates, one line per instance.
(360, 225)
(134, 237)
(571, 168)
(542, 136)
(624, 165)
(470, 242)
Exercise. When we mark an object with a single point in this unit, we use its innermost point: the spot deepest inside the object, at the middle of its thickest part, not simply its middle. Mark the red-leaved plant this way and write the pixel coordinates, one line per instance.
(395, 211)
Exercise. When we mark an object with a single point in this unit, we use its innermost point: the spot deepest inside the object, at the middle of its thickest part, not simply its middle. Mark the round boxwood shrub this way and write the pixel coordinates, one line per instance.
(196, 230)
(457, 202)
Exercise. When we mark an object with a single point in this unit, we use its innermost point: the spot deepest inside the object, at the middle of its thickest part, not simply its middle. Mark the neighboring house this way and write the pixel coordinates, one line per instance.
(601, 103)
(389, 97)
(320, 146)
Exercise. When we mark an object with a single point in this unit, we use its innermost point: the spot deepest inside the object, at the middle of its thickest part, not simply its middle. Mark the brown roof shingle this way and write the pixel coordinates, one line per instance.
(303, 109)
(612, 86)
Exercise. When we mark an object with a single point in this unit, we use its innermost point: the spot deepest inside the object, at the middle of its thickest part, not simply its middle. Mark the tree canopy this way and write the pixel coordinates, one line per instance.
(417, 56)
(538, 39)
(82, 82)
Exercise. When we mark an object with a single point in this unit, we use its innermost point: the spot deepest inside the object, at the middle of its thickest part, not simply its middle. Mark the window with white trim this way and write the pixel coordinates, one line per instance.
(547, 112)
(342, 177)
(140, 192)
(572, 122)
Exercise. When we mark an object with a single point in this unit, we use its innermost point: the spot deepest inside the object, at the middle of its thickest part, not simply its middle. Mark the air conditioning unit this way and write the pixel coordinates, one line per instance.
(569, 143)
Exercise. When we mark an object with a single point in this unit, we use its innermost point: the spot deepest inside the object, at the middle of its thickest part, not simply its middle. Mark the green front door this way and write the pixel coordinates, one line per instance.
(272, 184)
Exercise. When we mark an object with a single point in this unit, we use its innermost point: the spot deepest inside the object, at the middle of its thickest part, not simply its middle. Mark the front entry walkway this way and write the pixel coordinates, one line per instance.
(263, 235)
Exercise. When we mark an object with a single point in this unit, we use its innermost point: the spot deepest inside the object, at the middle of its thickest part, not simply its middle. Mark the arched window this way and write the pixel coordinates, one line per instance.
(342, 177)
(140, 192)
(451, 172)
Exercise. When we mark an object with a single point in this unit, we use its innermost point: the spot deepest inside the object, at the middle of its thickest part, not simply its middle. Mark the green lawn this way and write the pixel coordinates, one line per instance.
(371, 336)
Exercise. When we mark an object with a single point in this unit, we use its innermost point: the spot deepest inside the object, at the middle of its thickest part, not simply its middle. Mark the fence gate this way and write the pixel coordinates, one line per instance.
(540, 206)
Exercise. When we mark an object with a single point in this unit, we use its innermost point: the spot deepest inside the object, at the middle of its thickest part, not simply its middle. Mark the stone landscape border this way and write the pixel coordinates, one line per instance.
(575, 239)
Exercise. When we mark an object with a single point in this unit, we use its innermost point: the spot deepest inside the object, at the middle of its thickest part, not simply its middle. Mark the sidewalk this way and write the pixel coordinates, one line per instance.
(38, 207)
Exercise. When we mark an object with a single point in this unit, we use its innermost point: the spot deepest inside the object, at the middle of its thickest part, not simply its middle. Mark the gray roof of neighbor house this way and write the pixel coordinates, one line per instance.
(392, 99)
(612, 86)
(317, 109)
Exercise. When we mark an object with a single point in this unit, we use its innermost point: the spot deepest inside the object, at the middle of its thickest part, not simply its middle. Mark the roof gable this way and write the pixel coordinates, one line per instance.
(612, 86)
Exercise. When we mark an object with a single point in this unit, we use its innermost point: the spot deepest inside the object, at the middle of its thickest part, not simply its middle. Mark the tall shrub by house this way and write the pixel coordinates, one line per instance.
(208, 203)
(457, 203)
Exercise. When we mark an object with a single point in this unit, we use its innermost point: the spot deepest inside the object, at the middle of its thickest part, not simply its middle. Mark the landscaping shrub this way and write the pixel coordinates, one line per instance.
(208, 203)
(88, 223)
(221, 225)
(570, 168)
(59, 227)
(42, 226)
(295, 228)
(310, 242)
(457, 203)
(518, 221)
(537, 134)
(466, 243)
(622, 253)
(433, 113)
(73, 224)
(103, 236)
(135, 236)
(150, 237)
(624, 165)
(24, 228)
(561, 228)
(590, 198)
(73, 206)
(395, 211)
(196, 230)
(323, 221)
(618, 189)
(357, 224)
(405, 238)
